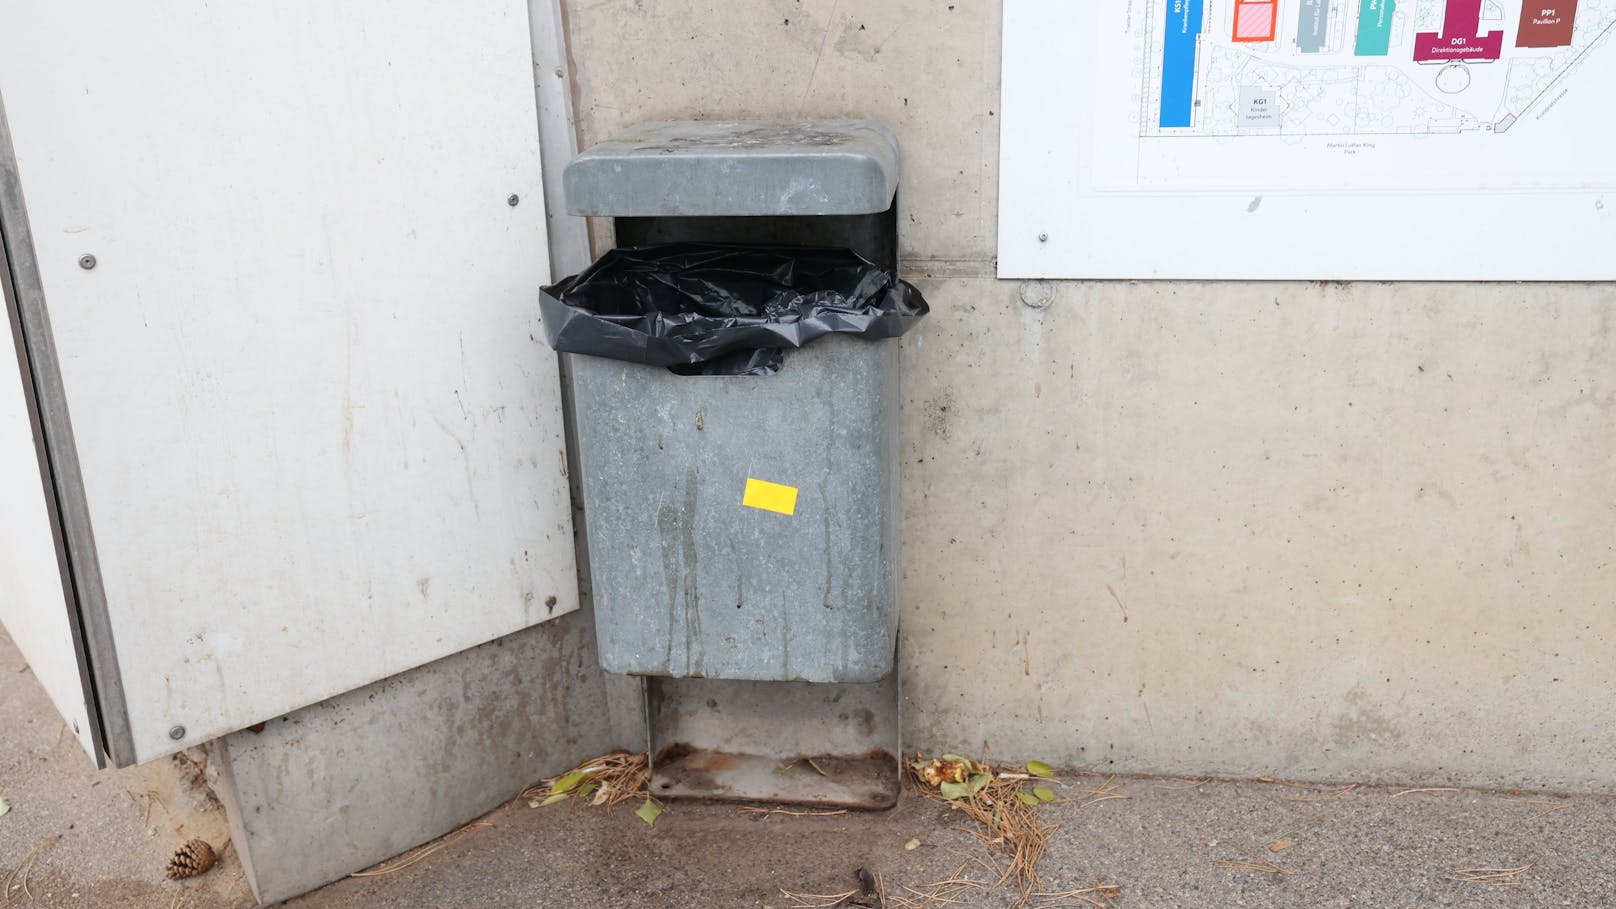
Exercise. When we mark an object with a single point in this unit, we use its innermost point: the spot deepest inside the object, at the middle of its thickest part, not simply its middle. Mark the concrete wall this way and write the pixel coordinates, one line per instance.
(1359, 531)
(364, 776)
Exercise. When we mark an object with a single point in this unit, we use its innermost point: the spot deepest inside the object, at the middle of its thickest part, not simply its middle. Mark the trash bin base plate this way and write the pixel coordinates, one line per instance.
(828, 781)
(800, 743)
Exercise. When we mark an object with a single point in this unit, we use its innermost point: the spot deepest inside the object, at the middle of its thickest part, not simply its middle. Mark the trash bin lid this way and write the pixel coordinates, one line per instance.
(737, 167)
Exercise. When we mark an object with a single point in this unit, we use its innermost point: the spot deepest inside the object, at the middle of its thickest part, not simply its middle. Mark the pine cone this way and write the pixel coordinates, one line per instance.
(189, 860)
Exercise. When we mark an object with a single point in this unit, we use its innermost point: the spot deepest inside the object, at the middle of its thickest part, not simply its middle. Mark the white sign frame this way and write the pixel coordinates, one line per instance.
(1307, 207)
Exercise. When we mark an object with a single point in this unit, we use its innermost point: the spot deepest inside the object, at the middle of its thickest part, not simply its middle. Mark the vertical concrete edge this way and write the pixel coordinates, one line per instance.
(219, 755)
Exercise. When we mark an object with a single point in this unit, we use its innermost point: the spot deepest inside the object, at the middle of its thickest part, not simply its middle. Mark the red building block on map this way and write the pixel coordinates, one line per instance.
(1547, 24)
(1255, 20)
(1459, 39)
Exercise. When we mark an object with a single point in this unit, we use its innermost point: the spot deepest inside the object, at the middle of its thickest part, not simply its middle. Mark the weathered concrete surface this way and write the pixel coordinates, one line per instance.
(361, 777)
(1298, 531)
(1359, 531)
(1161, 845)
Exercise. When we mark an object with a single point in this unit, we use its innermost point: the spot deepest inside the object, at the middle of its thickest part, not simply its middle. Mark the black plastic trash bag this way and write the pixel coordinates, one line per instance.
(721, 309)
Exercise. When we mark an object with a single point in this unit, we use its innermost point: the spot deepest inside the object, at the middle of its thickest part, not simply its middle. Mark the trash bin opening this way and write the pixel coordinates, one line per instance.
(715, 309)
(740, 364)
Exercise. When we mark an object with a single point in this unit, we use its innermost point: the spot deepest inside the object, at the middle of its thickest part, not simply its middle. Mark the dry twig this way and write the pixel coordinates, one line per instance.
(423, 852)
(1398, 795)
(1006, 815)
(610, 779)
(17, 879)
(1107, 790)
(1265, 867)
(1098, 896)
(1489, 875)
(152, 796)
(1191, 784)
(817, 900)
(1334, 794)
(1549, 811)
(1292, 784)
(949, 891)
(753, 809)
(870, 888)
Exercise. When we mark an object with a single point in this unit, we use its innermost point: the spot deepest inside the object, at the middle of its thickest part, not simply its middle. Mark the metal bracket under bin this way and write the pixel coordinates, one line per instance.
(767, 641)
(793, 742)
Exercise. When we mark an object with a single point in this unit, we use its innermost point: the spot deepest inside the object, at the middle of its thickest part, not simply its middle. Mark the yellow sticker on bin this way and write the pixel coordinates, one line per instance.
(770, 496)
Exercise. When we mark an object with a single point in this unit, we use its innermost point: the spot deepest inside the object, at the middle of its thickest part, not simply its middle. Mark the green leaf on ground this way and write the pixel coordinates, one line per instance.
(569, 782)
(978, 782)
(1027, 798)
(1040, 769)
(649, 812)
(1044, 793)
(952, 791)
(5, 806)
(552, 798)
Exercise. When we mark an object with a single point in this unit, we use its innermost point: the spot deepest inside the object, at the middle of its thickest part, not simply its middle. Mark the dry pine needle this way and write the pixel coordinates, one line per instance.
(423, 852)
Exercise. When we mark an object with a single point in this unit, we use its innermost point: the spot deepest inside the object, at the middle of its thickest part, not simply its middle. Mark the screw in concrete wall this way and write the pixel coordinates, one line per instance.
(512, 200)
(86, 261)
(177, 733)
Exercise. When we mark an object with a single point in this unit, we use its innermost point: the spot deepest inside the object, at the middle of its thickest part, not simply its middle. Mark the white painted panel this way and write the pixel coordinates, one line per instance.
(319, 430)
(33, 603)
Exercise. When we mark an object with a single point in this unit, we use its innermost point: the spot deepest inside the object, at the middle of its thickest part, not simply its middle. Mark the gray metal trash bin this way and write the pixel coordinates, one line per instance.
(697, 570)
(743, 531)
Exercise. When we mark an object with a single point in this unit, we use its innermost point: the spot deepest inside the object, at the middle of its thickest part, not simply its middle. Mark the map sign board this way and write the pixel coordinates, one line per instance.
(1314, 139)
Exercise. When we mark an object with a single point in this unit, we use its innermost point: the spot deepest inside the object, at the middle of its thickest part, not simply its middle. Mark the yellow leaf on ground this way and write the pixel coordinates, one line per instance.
(649, 812)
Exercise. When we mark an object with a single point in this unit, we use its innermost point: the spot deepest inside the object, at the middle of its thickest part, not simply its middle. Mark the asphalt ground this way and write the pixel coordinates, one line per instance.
(98, 839)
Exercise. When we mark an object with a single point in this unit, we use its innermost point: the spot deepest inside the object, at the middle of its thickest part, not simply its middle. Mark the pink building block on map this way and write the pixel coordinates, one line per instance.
(1459, 39)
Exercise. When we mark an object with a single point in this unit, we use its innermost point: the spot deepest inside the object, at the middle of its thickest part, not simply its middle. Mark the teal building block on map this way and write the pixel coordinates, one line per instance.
(1375, 27)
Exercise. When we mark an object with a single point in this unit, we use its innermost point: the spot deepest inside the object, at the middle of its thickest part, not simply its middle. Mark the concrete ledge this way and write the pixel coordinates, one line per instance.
(352, 781)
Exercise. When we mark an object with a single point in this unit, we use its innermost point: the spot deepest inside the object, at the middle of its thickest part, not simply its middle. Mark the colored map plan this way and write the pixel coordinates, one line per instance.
(1309, 139)
(1360, 67)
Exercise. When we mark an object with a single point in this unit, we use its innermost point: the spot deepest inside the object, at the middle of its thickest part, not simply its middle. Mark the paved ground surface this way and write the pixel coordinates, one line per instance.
(97, 839)
(102, 838)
